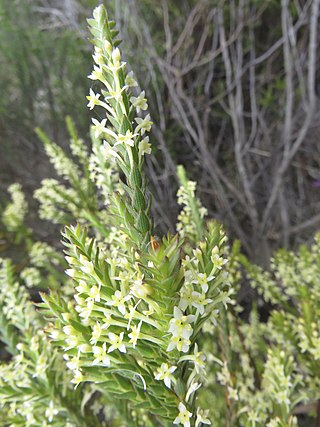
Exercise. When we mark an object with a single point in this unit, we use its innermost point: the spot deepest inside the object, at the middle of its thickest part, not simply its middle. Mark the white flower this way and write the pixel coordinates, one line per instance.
(180, 343)
(77, 378)
(193, 387)
(99, 128)
(70, 272)
(130, 81)
(140, 289)
(186, 296)
(93, 99)
(116, 94)
(165, 373)
(253, 418)
(200, 301)
(82, 287)
(143, 124)
(199, 359)
(233, 393)
(184, 416)
(85, 311)
(100, 354)
(127, 139)
(134, 335)
(202, 417)
(96, 333)
(144, 147)
(140, 102)
(51, 411)
(130, 315)
(118, 300)
(97, 74)
(180, 324)
(217, 261)
(74, 363)
(109, 151)
(203, 280)
(116, 341)
(94, 293)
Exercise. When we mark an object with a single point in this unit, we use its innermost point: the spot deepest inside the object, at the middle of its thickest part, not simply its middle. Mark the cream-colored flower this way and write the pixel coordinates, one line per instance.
(184, 416)
(140, 102)
(165, 373)
(116, 342)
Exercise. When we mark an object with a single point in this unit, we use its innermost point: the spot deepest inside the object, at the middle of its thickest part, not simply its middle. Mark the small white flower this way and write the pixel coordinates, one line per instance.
(217, 261)
(93, 99)
(131, 313)
(97, 74)
(193, 387)
(199, 359)
(107, 46)
(74, 363)
(140, 102)
(116, 94)
(143, 124)
(130, 81)
(70, 272)
(203, 281)
(96, 333)
(233, 393)
(274, 422)
(85, 311)
(165, 373)
(99, 127)
(109, 151)
(127, 139)
(140, 289)
(51, 411)
(184, 416)
(144, 147)
(116, 341)
(77, 378)
(134, 335)
(186, 296)
(94, 293)
(180, 325)
(202, 417)
(101, 356)
(118, 300)
(200, 301)
(180, 343)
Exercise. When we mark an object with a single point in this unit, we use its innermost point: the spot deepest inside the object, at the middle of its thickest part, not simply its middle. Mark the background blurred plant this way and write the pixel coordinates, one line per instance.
(233, 89)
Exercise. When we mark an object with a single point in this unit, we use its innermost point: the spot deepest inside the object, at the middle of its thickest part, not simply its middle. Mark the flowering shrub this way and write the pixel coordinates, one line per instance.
(144, 330)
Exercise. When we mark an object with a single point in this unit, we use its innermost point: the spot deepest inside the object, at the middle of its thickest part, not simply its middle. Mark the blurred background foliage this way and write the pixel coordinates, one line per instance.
(233, 90)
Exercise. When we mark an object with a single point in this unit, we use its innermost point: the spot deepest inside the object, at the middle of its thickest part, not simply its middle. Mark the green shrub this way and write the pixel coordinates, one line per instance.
(144, 330)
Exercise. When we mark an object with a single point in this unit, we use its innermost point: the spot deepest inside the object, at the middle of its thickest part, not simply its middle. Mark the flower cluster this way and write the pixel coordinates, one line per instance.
(34, 388)
(122, 129)
(125, 310)
(14, 213)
